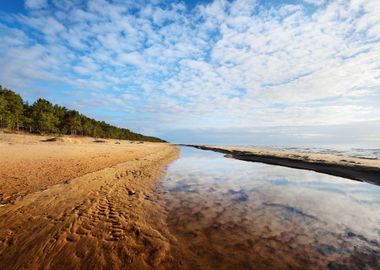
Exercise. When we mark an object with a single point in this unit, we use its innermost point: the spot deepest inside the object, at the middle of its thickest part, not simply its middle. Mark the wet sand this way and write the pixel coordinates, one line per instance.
(360, 169)
(78, 204)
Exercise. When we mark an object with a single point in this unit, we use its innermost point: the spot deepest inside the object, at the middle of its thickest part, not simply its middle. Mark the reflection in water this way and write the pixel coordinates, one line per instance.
(231, 214)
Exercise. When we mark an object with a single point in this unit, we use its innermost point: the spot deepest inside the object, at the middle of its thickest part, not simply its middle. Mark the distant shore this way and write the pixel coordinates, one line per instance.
(358, 169)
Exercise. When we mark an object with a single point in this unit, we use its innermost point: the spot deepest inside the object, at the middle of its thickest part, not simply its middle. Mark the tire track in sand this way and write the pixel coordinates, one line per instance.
(100, 220)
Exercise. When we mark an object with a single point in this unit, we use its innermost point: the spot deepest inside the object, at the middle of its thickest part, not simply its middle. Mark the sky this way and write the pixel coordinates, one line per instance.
(267, 72)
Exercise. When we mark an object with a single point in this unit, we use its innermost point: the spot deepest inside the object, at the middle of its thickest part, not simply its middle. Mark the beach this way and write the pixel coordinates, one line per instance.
(190, 135)
(70, 203)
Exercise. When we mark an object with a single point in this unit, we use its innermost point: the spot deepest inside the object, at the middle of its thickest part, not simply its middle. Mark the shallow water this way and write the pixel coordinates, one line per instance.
(231, 214)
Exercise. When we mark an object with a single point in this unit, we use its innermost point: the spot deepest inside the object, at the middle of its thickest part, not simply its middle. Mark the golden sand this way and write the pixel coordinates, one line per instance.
(72, 203)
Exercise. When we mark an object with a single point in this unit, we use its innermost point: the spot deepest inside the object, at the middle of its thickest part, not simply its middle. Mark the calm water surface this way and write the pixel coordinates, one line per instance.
(231, 214)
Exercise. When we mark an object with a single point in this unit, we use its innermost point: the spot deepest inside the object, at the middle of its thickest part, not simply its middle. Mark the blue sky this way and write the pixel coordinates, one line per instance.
(236, 72)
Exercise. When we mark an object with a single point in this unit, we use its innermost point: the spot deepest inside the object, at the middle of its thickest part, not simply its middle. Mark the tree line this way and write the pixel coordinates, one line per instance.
(43, 117)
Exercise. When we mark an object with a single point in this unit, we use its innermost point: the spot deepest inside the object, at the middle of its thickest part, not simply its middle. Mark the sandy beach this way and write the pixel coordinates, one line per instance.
(190, 135)
(82, 203)
(70, 203)
(360, 169)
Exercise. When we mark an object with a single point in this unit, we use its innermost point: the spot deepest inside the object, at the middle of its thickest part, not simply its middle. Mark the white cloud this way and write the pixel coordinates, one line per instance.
(35, 4)
(223, 64)
(315, 2)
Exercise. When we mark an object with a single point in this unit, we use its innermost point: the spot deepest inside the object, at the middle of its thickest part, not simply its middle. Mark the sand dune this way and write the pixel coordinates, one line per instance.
(82, 206)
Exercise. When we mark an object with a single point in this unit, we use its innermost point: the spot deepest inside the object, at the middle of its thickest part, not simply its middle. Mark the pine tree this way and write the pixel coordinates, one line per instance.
(3, 106)
(44, 120)
(72, 122)
(43, 117)
(27, 121)
(12, 114)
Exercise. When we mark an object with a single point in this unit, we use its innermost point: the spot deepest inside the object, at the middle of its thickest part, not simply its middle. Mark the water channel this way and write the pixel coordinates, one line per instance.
(232, 214)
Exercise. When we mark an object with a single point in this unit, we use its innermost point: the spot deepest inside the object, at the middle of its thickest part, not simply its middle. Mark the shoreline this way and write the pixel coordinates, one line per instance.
(358, 169)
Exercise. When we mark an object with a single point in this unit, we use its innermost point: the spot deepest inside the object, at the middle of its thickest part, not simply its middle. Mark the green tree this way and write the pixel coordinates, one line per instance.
(27, 121)
(87, 126)
(72, 122)
(12, 113)
(3, 111)
(43, 117)
(60, 113)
